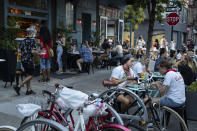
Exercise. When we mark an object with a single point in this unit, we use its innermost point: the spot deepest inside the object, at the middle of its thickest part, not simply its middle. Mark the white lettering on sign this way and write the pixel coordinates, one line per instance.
(172, 19)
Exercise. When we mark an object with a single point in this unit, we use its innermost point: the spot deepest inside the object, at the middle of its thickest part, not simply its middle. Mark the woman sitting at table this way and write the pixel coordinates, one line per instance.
(86, 55)
(106, 47)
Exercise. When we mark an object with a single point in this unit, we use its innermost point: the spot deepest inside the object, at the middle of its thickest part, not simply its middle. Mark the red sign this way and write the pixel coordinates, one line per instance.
(172, 19)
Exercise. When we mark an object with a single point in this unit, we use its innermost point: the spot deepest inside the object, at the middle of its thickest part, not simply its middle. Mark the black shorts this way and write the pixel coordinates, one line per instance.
(29, 68)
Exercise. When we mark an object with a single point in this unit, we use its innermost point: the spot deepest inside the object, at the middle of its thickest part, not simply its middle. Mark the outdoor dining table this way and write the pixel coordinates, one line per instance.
(73, 56)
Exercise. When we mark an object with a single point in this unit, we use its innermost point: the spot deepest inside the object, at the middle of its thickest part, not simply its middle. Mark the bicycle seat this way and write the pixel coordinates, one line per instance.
(28, 109)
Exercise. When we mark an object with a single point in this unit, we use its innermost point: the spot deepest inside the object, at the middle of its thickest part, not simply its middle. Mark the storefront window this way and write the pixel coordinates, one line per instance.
(69, 14)
(36, 4)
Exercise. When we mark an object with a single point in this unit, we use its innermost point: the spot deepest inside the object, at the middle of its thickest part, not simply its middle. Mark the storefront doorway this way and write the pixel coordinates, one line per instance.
(86, 27)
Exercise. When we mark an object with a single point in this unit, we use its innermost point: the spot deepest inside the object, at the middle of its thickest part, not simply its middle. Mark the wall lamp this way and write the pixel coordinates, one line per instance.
(79, 21)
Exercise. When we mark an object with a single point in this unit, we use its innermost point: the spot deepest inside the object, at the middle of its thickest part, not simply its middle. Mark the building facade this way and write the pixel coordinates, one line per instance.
(80, 14)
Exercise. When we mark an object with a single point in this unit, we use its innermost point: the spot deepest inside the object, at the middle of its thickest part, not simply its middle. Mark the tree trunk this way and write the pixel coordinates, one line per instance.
(152, 14)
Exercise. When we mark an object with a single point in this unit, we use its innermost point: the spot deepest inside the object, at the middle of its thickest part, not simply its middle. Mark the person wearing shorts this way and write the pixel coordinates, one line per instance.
(27, 48)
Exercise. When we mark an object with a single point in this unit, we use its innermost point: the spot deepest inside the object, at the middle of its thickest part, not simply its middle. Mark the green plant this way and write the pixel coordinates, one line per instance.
(67, 31)
(193, 86)
(7, 38)
(97, 37)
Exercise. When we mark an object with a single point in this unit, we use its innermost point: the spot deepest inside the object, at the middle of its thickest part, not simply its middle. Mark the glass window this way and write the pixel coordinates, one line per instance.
(69, 14)
(37, 4)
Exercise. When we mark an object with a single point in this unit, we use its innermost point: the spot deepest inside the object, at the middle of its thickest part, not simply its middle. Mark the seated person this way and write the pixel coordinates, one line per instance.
(86, 55)
(185, 70)
(121, 75)
(163, 54)
(106, 47)
(173, 87)
(118, 50)
(138, 68)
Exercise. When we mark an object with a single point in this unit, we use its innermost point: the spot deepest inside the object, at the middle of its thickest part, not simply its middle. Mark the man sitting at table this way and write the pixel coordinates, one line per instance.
(121, 76)
(173, 87)
(86, 55)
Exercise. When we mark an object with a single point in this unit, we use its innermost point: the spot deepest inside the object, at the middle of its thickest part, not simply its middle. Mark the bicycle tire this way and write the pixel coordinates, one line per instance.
(26, 119)
(179, 119)
(7, 128)
(54, 126)
(114, 127)
(144, 114)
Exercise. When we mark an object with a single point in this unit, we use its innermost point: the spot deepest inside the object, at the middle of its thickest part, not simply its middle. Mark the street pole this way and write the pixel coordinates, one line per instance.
(130, 33)
(172, 33)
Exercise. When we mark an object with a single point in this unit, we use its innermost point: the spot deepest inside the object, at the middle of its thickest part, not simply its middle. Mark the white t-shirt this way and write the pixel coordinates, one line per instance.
(163, 43)
(140, 43)
(176, 86)
(119, 73)
(178, 56)
(172, 45)
(118, 48)
(137, 68)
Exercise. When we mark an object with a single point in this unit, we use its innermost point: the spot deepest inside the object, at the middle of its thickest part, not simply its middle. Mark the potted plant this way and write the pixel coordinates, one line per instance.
(191, 97)
(8, 49)
(97, 37)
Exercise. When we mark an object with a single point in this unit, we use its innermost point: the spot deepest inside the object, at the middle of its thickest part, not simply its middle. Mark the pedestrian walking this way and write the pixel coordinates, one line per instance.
(27, 48)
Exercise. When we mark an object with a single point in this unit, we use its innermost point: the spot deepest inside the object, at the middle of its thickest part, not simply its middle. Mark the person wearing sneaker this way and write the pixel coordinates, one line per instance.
(27, 48)
(61, 42)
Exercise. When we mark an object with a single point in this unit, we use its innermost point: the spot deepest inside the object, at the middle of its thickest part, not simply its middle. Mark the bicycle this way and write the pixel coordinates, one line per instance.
(56, 114)
(110, 96)
(161, 116)
(7, 128)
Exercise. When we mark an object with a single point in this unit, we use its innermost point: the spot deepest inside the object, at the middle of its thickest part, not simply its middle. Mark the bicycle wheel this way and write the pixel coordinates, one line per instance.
(135, 114)
(110, 116)
(170, 120)
(42, 125)
(7, 128)
(114, 127)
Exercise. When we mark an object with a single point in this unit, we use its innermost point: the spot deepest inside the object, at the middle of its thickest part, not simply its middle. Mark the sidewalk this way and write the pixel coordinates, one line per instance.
(8, 100)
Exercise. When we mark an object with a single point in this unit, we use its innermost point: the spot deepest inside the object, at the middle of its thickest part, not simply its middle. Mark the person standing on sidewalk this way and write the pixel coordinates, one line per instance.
(27, 48)
(60, 43)
(45, 44)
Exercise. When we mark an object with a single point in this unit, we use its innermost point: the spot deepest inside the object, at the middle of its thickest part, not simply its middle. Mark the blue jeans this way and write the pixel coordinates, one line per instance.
(45, 63)
(165, 101)
(59, 56)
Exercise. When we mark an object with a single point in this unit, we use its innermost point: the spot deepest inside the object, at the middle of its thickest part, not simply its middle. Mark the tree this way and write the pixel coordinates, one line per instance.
(155, 8)
(135, 15)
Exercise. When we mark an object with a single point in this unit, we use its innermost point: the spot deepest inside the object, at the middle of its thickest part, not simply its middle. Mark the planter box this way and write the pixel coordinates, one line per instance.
(191, 105)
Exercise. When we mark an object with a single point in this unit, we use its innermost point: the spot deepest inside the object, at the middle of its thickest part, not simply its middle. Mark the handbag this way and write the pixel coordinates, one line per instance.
(50, 51)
